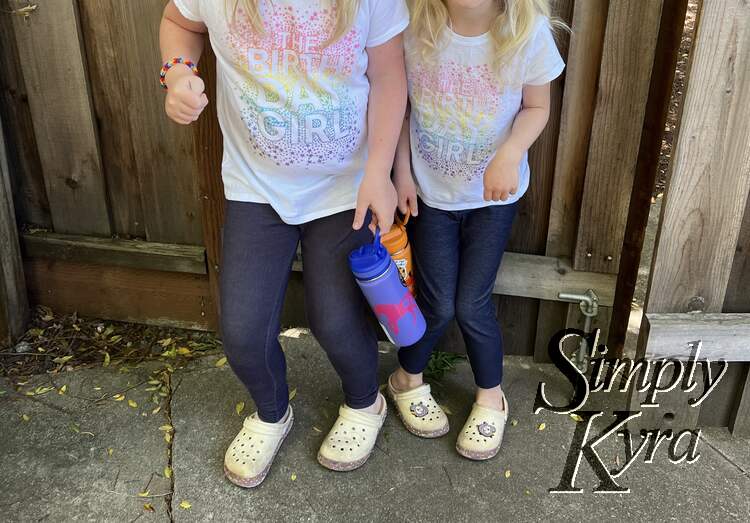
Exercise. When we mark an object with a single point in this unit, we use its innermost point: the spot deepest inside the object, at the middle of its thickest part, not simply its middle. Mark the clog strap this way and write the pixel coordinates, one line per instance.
(257, 426)
(420, 393)
(356, 417)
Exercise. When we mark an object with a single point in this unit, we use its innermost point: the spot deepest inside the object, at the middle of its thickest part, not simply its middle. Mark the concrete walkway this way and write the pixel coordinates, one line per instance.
(68, 457)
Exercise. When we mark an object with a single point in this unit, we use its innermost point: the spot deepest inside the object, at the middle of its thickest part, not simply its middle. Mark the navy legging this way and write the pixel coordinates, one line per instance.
(456, 257)
(257, 254)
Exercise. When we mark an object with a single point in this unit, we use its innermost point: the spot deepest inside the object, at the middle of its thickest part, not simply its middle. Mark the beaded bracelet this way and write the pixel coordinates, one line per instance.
(171, 63)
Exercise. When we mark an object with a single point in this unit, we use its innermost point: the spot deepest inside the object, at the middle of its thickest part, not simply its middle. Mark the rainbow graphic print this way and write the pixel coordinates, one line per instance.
(455, 108)
(295, 99)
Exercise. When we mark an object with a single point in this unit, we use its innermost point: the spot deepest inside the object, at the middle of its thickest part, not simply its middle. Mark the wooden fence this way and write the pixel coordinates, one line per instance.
(122, 209)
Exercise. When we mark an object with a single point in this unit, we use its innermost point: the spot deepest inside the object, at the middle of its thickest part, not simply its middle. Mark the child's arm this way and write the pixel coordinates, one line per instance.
(385, 113)
(501, 176)
(406, 189)
(179, 36)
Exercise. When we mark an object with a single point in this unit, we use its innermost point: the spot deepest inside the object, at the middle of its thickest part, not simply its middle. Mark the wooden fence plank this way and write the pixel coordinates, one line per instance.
(121, 253)
(739, 421)
(55, 75)
(14, 307)
(26, 181)
(577, 114)
(208, 146)
(150, 172)
(724, 336)
(123, 294)
(628, 54)
(708, 190)
(647, 166)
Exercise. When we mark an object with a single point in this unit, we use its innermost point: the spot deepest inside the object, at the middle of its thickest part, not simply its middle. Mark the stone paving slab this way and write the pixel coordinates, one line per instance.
(54, 459)
(409, 479)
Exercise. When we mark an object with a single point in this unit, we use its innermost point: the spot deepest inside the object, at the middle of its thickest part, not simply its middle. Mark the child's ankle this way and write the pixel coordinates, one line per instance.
(403, 381)
(491, 398)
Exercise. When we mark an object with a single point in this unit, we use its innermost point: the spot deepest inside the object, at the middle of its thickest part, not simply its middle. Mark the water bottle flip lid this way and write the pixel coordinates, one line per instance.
(371, 260)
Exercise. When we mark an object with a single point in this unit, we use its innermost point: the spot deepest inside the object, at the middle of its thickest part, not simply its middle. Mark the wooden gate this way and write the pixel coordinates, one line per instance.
(120, 210)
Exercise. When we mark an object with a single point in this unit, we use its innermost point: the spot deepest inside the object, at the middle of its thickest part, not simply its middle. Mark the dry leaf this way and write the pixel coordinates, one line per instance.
(239, 407)
(143, 494)
(221, 362)
(527, 492)
(110, 451)
(148, 507)
(507, 473)
(292, 394)
(106, 360)
(62, 389)
(513, 422)
(294, 477)
(97, 388)
(166, 428)
(167, 472)
(185, 504)
(133, 404)
(156, 410)
(168, 437)
(542, 426)
(25, 417)
(165, 342)
(576, 417)
(63, 359)
(316, 429)
(183, 351)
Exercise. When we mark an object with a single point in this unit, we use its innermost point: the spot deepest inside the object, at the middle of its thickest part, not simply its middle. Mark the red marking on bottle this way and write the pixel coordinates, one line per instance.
(391, 313)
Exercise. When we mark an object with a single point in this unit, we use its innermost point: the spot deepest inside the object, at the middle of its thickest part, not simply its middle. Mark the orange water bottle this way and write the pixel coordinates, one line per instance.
(397, 243)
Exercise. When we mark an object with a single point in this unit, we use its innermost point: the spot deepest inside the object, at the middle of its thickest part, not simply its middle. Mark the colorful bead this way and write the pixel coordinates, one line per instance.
(170, 63)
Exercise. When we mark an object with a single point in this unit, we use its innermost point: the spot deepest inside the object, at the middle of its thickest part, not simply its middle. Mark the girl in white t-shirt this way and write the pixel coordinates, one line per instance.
(310, 98)
(479, 74)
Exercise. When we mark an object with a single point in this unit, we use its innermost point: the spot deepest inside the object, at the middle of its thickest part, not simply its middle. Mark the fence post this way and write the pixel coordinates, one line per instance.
(14, 307)
(708, 190)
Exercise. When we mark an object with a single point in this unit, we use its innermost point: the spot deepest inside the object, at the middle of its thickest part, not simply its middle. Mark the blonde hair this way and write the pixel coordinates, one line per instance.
(346, 13)
(510, 30)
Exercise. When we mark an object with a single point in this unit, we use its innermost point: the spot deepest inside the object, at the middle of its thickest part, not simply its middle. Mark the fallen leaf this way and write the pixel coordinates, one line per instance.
(43, 390)
(165, 342)
(62, 390)
(239, 407)
(97, 388)
(185, 504)
(115, 338)
(75, 427)
(143, 494)
(106, 360)
(183, 351)
(221, 362)
(167, 472)
(110, 451)
(25, 417)
(316, 429)
(133, 404)
(294, 477)
(576, 417)
(168, 437)
(154, 382)
(166, 428)
(507, 473)
(156, 410)
(148, 507)
(118, 397)
(63, 359)
(292, 394)
(527, 492)
(542, 426)
(513, 422)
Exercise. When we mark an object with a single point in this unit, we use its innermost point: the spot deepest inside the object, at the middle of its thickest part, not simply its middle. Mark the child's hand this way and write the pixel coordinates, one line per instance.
(501, 176)
(406, 190)
(185, 98)
(376, 192)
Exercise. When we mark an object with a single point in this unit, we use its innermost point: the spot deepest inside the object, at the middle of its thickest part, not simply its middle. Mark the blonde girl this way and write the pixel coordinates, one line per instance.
(311, 96)
(479, 74)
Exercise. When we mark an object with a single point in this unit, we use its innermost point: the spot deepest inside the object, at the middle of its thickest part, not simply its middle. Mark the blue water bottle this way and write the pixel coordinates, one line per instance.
(387, 294)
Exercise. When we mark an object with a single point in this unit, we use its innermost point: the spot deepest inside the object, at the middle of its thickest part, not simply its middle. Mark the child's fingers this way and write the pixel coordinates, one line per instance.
(403, 203)
(373, 223)
(413, 206)
(487, 195)
(359, 215)
(194, 101)
(385, 219)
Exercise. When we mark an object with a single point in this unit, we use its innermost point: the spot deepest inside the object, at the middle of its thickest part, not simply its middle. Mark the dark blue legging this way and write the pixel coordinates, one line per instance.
(456, 257)
(257, 254)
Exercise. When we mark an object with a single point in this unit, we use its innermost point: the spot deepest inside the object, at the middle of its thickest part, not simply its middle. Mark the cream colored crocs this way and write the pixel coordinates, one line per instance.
(483, 432)
(419, 411)
(352, 438)
(251, 454)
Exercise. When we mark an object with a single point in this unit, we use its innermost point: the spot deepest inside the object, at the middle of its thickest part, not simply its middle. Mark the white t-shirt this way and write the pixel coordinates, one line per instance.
(462, 109)
(293, 113)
